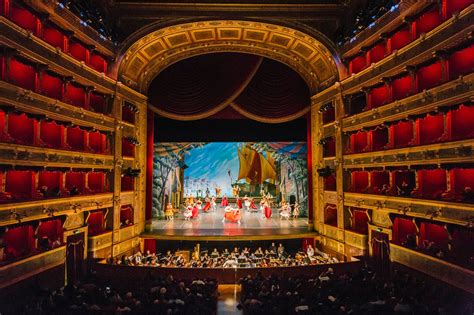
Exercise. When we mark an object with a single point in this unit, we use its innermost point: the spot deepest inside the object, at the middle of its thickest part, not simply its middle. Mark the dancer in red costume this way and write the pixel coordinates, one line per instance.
(231, 214)
(252, 205)
(195, 212)
(239, 202)
(207, 205)
(224, 201)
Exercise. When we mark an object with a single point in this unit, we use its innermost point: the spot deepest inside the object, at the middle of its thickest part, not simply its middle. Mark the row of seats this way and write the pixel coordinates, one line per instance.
(96, 220)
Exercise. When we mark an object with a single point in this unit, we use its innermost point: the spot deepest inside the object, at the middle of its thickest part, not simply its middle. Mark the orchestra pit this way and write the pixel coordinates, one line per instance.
(236, 157)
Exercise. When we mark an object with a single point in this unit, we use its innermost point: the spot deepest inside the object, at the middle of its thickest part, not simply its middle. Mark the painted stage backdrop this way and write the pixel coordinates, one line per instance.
(227, 168)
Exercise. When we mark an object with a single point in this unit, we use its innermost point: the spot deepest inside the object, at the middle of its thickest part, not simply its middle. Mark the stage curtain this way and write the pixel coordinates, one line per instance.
(403, 134)
(51, 85)
(378, 96)
(329, 148)
(461, 122)
(400, 39)
(434, 233)
(24, 18)
(330, 183)
(54, 36)
(329, 115)
(432, 183)
(358, 63)
(359, 142)
(379, 138)
(75, 95)
(360, 181)
(401, 229)
(95, 222)
(22, 74)
(431, 129)
(126, 213)
(98, 103)
(52, 229)
(78, 51)
(21, 184)
(461, 62)
(52, 134)
(429, 76)
(75, 179)
(359, 221)
(19, 241)
(50, 179)
(76, 138)
(377, 52)
(128, 149)
(402, 87)
(98, 62)
(377, 180)
(22, 129)
(96, 182)
(453, 6)
(127, 183)
(149, 245)
(330, 214)
(428, 21)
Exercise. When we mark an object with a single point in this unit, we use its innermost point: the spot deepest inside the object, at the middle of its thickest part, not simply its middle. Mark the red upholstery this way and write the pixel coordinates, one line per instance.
(330, 183)
(358, 64)
(128, 115)
(434, 233)
(330, 214)
(96, 182)
(377, 52)
(403, 176)
(360, 181)
(22, 129)
(400, 39)
(21, 184)
(359, 220)
(54, 36)
(52, 134)
(128, 149)
(52, 229)
(461, 62)
(429, 76)
(378, 96)
(379, 138)
(51, 86)
(95, 222)
(25, 19)
(4, 137)
(22, 74)
(401, 229)
(97, 142)
(98, 103)
(461, 123)
(150, 245)
(431, 183)
(402, 134)
(127, 183)
(76, 138)
(402, 87)
(78, 51)
(97, 62)
(19, 241)
(50, 179)
(460, 179)
(359, 142)
(453, 6)
(75, 179)
(431, 129)
(329, 148)
(428, 21)
(75, 95)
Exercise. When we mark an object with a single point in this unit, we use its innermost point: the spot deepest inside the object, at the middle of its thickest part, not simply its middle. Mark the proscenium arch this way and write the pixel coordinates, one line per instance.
(151, 54)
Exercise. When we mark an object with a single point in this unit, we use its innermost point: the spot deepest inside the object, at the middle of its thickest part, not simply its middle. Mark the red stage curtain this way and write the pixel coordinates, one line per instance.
(378, 96)
(360, 181)
(358, 64)
(75, 179)
(19, 241)
(359, 142)
(51, 85)
(379, 138)
(97, 62)
(329, 149)
(330, 214)
(402, 134)
(78, 51)
(402, 87)
(429, 76)
(50, 179)
(461, 123)
(432, 183)
(377, 52)
(359, 220)
(128, 115)
(461, 62)
(431, 129)
(96, 182)
(128, 149)
(401, 229)
(126, 213)
(52, 229)
(462, 241)
(76, 138)
(329, 115)
(25, 19)
(22, 74)
(330, 183)
(97, 142)
(150, 245)
(434, 233)
(400, 39)
(75, 95)
(98, 103)
(95, 222)
(21, 184)
(378, 179)
(127, 183)
(54, 36)
(52, 134)
(455, 6)
(22, 129)
(428, 21)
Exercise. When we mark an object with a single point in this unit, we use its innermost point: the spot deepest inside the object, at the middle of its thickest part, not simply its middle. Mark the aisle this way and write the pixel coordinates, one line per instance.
(229, 296)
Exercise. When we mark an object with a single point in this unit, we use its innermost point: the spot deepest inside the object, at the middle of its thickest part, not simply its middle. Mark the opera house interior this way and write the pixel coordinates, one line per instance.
(236, 157)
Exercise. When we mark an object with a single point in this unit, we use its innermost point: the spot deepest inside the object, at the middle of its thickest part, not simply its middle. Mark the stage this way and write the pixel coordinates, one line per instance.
(209, 225)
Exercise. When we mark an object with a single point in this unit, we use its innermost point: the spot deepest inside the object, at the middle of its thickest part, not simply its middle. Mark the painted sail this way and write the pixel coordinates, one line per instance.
(267, 169)
(245, 159)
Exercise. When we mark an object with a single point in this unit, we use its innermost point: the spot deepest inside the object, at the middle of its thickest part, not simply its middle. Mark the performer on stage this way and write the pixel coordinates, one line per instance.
(191, 200)
(213, 203)
(195, 211)
(267, 210)
(207, 205)
(296, 211)
(188, 213)
(224, 201)
(238, 201)
(169, 212)
(198, 204)
(247, 202)
(252, 204)
(231, 214)
(285, 211)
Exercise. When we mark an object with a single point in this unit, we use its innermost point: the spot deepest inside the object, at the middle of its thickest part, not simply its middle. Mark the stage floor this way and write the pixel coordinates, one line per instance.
(210, 224)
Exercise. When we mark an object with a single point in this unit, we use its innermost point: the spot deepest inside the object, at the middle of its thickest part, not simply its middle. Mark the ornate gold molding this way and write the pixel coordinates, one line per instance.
(147, 57)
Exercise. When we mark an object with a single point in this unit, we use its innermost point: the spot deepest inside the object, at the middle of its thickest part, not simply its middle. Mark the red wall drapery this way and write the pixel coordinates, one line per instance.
(51, 85)
(330, 183)
(429, 76)
(431, 183)
(54, 36)
(25, 19)
(360, 181)
(127, 183)
(21, 184)
(402, 87)
(52, 134)
(96, 182)
(22, 74)
(461, 62)
(95, 222)
(76, 138)
(461, 123)
(428, 21)
(50, 179)
(401, 229)
(22, 129)
(330, 214)
(52, 229)
(431, 129)
(150, 132)
(19, 241)
(75, 179)
(360, 220)
(434, 233)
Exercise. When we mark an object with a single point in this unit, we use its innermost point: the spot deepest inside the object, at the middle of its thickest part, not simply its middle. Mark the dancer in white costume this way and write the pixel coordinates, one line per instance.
(285, 212)
(247, 202)
(188, 212)
(213, 203)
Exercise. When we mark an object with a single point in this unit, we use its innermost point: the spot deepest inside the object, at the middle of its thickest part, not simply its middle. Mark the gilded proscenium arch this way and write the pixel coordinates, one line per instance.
(147, 57)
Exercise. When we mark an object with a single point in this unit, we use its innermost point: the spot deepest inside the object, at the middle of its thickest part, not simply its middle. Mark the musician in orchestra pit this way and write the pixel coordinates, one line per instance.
(280, 250)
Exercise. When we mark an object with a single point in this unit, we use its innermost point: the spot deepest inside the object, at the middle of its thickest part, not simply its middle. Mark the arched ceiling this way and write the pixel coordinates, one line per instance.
(153, 53)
